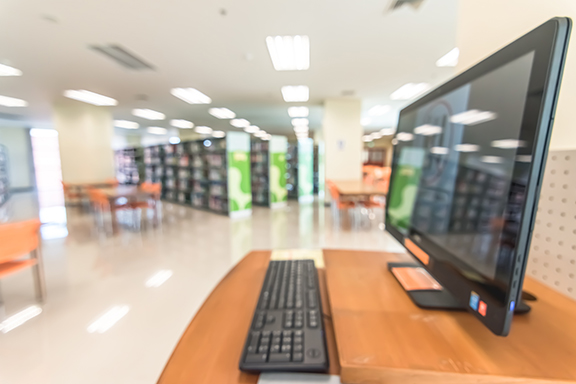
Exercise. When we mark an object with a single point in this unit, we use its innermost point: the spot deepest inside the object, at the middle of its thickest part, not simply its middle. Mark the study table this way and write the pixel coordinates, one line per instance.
(358, 189)
(375, 334)
(132, 194)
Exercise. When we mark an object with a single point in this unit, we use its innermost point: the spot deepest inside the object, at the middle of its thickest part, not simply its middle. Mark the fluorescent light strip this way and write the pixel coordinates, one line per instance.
(107, 320)
(12, 102)
(19, 318)
(174, 140)
(300, 121)
(6, 70)
(261, 134)
(298, 111)
(190, 95)
(183, 124)
(473, 117)
(404, 136)
(301, 129)
(251, 129)
(203, 130)
(428, 130)
(90, 98)
(524, 158)
(148, 114)
(388, 131)
(508, 144)
(492, 159)
(409, 91)
(379, 110)
(266, 138)
(126, 124)
(289, 53)
(450, 59)
(295, 93)
(239, 123)
(366, 138)
(157, 130)
(159, 277)
(467, 148)
(439, 150)
(218, 134)
(222, 113)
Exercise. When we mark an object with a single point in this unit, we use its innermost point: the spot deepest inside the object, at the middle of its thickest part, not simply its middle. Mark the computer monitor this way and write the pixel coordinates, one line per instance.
(466, 174)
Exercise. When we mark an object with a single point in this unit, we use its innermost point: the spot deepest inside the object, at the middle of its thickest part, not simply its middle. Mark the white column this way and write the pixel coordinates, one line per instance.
(85, 137)
(484, 26)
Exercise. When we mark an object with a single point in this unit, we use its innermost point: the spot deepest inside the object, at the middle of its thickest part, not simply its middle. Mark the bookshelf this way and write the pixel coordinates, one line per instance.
(292, 170)
(268, 163)
(4, 180)
(129, 165)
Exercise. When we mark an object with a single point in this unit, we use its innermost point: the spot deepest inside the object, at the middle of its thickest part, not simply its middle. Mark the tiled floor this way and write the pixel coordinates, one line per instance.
(88, 273)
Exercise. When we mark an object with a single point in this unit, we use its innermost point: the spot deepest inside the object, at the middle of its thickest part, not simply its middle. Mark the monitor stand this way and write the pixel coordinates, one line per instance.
(444, 300)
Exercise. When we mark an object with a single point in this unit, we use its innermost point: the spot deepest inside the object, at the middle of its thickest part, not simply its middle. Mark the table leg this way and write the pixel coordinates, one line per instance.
(113, 217)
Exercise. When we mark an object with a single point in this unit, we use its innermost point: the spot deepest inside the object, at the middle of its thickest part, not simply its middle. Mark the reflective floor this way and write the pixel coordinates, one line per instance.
(117, 305)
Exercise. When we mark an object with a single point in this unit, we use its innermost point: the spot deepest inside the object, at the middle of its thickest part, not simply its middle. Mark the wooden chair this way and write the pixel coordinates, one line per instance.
(72, 195)
(338, 205)
(101, 205)
(156, 190)
(17, 240)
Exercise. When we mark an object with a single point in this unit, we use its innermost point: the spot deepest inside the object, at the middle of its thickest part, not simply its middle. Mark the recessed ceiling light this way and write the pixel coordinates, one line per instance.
(404, 136)
(366, 138)
(126, 124)
(365, 121)
(289, 53)
(203, 130)
(261, 134)
(379, 110)
(298, 111)
(295, 93)
(218, 134)
(450, 59)
(473, 117)
(19, 318)
(492, 159)
(239, 123)
(467, 148)
(428, 130)
(157, 130)
(148, 114)
(90, 98)
(161, 276)
(394, 141)
(12, 102)
(300, 121)
(222, 113)
(107, 320)
(508, 144)
(409, 91)
(183, 124)
(524, 158)
(174, 140)
(301, 129)
(388, 131)
(191, 95)
(439, 150)
(266, 138)
(6, 70)
(251, 129)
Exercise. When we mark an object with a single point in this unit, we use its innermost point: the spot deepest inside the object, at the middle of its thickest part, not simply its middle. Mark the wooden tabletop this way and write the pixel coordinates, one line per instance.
(358, 188)
(127, 191)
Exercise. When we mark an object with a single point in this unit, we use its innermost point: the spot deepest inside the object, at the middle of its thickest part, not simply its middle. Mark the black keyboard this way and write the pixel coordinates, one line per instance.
(287, 332)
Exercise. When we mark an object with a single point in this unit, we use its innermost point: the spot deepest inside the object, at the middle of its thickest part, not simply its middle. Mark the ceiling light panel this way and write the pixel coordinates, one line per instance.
(222, 113)
(300, 121)
(266, 138)
(439, 150)
(409, 91)
(252, 129)
(203, 130)
(404, 136)
(388, 131)
(261, 134)
(183, 124)
(121, 56)
(126, 124)
(90, 98)
(379, 110)
(301, 129)
(157, 130)
(467, 148)
(148, 114)
(428, 130)
(492, 159)
(239, 123)
(295, 93)
(473, 117)
(218, 134)
(298, 111)
(289, 53)
(450, 59)
(191, 95)
(6, 70)
(12, 102)
(508, 144)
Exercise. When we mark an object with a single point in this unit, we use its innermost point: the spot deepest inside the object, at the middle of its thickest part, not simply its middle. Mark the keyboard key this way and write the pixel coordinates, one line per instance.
(265, 341)
(287, 334)
(286, 348)
(276, 340)
(298, 348)
(263, 349)
(275, 348)
(287, 340)
(298, 340)
(298, 333)
(298, 324)
(276, 333)
(256, 358)
(298, 356)
(270, 319)
(279, 357)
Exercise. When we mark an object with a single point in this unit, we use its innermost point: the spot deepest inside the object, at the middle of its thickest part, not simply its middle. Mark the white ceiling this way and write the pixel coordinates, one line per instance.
(355, 45)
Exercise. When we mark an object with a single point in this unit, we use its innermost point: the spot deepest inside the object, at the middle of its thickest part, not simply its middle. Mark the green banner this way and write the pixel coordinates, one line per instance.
(277, 178)
(305, 170)
(239, 187)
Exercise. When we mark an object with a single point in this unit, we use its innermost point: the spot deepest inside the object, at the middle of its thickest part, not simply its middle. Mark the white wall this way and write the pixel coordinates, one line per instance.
(21, 169)
(343, 139)
(85, 137)
(484, 26)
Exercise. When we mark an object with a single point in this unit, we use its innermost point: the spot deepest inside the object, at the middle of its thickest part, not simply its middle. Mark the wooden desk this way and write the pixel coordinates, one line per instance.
(132, 195)
(357, 188)
(381, 336)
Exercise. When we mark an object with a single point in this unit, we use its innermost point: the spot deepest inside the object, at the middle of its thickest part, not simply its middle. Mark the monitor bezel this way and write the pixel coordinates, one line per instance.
(549, 44)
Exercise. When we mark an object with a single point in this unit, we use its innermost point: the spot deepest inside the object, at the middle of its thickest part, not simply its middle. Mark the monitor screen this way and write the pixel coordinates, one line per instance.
(466, 168)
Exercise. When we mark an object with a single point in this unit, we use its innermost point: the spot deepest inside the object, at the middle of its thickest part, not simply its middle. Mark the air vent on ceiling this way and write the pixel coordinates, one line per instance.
(395, 4)
(121, 56)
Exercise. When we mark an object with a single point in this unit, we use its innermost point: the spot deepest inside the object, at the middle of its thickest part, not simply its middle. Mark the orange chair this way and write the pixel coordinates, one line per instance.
(113, 182)
(101, 204)
(17, 240)
(337, 203)
(155, 189)
(72, 195)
